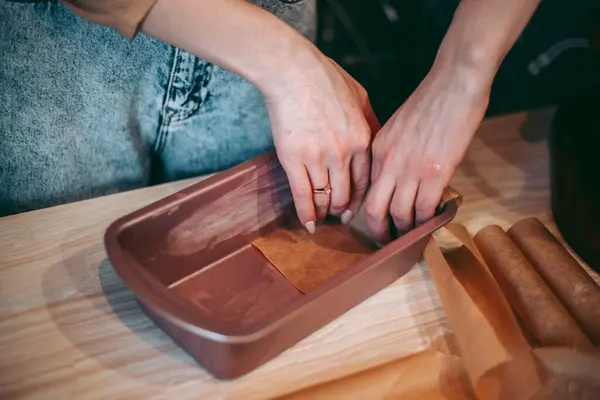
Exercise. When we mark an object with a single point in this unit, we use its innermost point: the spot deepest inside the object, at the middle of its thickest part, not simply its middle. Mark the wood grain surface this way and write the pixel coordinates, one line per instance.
(69, 328)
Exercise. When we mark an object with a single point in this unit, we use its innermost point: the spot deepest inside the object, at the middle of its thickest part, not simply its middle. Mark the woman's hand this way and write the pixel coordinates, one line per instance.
(416, 152)
(322, 124)
(320, 117)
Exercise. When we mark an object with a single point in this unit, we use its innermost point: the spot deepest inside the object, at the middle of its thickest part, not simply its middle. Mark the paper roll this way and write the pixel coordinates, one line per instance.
(576, 289)
(544, 314)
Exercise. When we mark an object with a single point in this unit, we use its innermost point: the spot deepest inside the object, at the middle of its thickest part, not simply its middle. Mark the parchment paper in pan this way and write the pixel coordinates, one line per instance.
(306, 260)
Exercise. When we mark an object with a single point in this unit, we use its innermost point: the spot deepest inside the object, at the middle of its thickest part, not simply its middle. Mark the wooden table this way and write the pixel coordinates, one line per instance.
(69, 328)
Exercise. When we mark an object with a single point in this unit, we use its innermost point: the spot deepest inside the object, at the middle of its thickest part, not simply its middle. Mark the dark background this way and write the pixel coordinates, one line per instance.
(391, 57)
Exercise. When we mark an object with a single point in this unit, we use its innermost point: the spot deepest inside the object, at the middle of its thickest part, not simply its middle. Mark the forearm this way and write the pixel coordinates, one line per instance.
(233, 34)
(481, 34)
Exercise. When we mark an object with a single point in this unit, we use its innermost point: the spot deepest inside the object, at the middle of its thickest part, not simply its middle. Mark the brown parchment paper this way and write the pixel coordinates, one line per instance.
(495, 353)
(306, 260)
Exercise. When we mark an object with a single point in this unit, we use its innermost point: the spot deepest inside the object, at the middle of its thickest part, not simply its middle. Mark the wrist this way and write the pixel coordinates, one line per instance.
(469, 70)
(475, 59)
(292, 61)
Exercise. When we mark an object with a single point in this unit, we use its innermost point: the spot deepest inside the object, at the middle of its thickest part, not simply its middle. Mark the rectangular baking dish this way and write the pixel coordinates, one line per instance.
(189, 262)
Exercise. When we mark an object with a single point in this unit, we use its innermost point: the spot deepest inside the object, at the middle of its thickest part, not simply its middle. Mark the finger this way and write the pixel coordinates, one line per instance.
(371, 118)
(375, 168)
(402, 205)
(360, 172)
(430, 191)
(377, 207)
(339, 176)
(302, 193)
(319, 179)
(379, 151)
(427, 200)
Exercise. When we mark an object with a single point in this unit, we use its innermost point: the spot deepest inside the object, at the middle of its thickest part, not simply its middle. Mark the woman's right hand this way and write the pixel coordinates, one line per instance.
(322, 124)
(321, 119)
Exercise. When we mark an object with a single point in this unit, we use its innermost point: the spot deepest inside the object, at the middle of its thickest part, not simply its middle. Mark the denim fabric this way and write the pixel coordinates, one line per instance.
(85, 112)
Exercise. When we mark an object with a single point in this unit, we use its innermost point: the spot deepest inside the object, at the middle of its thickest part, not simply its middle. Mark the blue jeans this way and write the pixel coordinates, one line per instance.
(85, 112)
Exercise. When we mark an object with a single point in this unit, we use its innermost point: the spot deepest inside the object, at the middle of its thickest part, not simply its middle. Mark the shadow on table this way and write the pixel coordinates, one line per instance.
(99, 315)
(433, 327)
(533, 166)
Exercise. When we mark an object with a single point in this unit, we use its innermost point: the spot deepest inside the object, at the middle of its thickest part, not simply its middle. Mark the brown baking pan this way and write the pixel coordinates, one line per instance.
(189, 262)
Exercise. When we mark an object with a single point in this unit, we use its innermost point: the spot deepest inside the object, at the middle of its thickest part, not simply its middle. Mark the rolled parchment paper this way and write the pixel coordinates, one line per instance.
(542, 311)
(577, 290)
(495, 353)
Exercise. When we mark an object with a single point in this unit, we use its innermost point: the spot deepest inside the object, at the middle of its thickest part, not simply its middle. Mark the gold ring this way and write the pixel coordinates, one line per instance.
(324, 190)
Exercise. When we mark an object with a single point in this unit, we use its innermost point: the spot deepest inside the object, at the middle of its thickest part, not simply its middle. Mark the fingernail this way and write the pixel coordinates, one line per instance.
(346, 217)
(310, 226)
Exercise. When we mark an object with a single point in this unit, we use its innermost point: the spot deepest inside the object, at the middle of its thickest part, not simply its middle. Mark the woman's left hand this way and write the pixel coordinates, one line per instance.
(416, 152)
